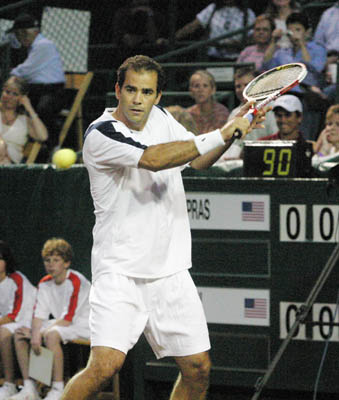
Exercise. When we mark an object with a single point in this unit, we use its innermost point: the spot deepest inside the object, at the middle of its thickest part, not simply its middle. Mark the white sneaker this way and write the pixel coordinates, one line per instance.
(26, 394)
(7, 390)
(53, 394)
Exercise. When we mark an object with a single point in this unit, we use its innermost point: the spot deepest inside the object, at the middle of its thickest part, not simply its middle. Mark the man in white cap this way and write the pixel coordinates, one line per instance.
(288, 112)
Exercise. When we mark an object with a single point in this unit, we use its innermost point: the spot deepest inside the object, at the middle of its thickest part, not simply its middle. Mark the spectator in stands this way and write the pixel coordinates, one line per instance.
(328, 140)
(262, 33)
(242, 78)
(307, 52)
(18, 121)
(280, 10)
(219, 18)
(207, 113)
(327, 33)
(288, 111)
(43, 70)
(63, 293)
(135, 26)
(314, 57)
(184, 117)
(17, 297)
(331, 76)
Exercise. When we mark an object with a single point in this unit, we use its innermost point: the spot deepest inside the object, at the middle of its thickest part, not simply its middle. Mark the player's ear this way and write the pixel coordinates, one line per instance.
(158, 98)
(117, 90)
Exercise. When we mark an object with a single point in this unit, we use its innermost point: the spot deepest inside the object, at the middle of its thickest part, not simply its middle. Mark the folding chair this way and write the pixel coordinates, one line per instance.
(80, 83)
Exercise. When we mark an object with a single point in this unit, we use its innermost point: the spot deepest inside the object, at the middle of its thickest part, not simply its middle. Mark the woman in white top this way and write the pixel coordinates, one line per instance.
(328, 140)
(18, 120)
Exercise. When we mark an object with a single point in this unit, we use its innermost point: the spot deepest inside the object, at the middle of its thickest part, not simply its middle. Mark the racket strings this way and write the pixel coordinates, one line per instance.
(273, 82)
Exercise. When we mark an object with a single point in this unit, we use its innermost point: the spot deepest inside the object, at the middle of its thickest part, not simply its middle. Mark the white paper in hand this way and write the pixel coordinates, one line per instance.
(40, 367)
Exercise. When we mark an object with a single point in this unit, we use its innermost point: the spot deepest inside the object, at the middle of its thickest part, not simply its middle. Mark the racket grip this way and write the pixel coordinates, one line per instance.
(237, 133)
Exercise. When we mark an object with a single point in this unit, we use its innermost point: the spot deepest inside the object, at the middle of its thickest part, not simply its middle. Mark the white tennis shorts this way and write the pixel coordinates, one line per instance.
(167, 310)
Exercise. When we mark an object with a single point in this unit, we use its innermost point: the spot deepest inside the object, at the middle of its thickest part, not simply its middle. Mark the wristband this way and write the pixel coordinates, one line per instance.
(208, 141)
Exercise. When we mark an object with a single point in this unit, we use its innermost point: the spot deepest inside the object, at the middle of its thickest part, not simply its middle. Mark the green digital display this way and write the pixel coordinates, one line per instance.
(271, 159)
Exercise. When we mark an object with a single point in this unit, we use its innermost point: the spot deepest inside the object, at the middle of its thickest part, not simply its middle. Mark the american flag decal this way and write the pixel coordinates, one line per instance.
(253, 211)
(255, 308)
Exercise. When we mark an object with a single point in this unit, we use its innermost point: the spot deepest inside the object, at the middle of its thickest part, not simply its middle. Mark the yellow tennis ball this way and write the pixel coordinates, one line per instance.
(64, 158)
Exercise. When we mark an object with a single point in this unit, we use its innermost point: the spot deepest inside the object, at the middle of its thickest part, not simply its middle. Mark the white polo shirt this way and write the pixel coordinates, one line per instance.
(17, 297)
(142, 228)
(68, 301)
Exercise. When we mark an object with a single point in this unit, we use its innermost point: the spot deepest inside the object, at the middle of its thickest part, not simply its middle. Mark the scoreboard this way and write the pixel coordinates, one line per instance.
(258, 248)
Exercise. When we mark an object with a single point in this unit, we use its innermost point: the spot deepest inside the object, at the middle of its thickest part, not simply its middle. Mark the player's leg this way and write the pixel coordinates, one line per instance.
(117, 319)
(103, 363)
(193, 380)
(178, 309)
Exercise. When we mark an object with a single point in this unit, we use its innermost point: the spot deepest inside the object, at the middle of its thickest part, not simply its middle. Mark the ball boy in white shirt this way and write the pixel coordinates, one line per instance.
(63, 293)
(17, 296)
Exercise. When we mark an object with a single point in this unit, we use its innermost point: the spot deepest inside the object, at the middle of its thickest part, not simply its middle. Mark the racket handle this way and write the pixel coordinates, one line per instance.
(237, 133)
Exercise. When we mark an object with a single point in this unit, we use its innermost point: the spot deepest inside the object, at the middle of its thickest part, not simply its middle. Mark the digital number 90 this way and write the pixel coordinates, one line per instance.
(284, 161)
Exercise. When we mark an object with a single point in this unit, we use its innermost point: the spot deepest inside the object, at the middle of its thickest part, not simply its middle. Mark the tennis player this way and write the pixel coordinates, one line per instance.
(142, 244)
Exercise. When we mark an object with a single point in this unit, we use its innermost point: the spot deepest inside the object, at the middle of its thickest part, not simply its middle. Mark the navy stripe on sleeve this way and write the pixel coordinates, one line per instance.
(161, 108)
(107, 129)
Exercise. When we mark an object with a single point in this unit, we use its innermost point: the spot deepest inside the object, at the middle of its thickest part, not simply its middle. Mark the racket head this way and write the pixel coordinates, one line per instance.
(274, 81)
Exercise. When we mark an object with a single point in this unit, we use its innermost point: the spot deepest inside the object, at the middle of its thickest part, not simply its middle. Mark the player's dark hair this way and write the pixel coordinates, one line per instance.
(7, 255)
(138, 63)
(299, 18)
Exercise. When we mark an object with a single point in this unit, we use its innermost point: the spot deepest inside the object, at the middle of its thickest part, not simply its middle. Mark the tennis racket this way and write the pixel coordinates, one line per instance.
(271, 84)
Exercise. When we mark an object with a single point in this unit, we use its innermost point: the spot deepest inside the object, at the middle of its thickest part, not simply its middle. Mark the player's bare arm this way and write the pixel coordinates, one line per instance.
(174, 154)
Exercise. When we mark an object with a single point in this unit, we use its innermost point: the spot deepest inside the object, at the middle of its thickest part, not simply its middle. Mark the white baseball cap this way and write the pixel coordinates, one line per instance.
(289, 103)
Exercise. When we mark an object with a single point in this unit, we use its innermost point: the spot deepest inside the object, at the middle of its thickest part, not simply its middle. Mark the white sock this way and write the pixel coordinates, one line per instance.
(58, 386)
(29, 384)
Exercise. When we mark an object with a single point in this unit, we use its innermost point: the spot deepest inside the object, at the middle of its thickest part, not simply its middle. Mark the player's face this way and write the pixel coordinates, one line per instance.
(56, 266)
(201, 88)
(240, 84)
(136, 98)
(288, 123)
(332, 128)
(262, 32)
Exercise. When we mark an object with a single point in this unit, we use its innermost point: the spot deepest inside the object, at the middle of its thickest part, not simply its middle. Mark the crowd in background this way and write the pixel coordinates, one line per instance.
(278, 33)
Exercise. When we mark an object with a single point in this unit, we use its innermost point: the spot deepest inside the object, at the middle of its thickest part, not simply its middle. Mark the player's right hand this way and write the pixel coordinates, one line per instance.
(237, 123)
